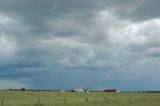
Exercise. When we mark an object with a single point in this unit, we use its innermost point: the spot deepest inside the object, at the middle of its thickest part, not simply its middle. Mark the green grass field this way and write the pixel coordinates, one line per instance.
(50, 98)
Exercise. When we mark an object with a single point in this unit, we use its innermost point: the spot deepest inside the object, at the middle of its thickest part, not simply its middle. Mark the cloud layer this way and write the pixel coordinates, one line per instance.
(55, 44)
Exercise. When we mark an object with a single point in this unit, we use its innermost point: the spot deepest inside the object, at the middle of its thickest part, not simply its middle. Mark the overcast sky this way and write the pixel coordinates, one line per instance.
(65, 44)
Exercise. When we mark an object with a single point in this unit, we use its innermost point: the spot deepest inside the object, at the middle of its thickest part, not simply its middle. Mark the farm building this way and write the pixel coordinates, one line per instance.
(81, 90)
(111, 90)
(62, 91)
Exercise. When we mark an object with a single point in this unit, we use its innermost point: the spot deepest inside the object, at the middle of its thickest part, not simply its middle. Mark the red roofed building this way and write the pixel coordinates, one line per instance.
(110, 90)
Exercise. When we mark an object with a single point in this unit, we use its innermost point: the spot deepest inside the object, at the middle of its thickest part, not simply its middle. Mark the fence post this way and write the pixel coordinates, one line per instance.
(2, 102)
(130, 98)
(65, 100)
(39, 100)
(87, 99)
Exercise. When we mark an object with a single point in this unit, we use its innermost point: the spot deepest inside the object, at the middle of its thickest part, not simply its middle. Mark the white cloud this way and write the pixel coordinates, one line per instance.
(8, 47)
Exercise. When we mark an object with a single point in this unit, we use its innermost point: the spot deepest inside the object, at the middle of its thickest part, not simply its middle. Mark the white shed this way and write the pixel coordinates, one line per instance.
(82, 90)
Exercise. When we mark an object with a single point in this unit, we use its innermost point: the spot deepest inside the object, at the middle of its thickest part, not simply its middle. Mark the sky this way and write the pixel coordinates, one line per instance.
(65, 44)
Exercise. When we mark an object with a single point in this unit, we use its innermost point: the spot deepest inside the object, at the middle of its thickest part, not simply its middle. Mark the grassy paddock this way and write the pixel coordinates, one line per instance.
(44, 98)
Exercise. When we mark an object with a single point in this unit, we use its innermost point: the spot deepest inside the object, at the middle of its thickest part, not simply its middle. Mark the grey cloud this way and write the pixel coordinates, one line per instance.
(147, 10)
(35, 13)
(54, 38)
(138, 10)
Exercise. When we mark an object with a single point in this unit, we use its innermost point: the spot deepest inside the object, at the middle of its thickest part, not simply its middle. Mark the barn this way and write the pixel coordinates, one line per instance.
(110, 90)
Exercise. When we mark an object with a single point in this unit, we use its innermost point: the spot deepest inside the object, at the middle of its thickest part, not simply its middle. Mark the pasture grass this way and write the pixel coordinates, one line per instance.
(50, 98)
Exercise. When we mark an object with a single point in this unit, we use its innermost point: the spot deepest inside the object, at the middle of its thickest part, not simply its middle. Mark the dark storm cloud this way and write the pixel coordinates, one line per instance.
(40, 17)
(36, 13)
(65, 39)
(145, 10)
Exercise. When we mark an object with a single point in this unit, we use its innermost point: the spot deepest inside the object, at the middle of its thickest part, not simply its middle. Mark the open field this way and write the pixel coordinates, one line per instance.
(50, 98)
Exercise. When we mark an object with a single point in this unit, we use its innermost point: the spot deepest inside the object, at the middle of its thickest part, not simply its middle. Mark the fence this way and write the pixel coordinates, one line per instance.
(65, 100)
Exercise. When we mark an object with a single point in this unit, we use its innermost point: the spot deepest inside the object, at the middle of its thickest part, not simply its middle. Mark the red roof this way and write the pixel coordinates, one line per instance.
(110, 90)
